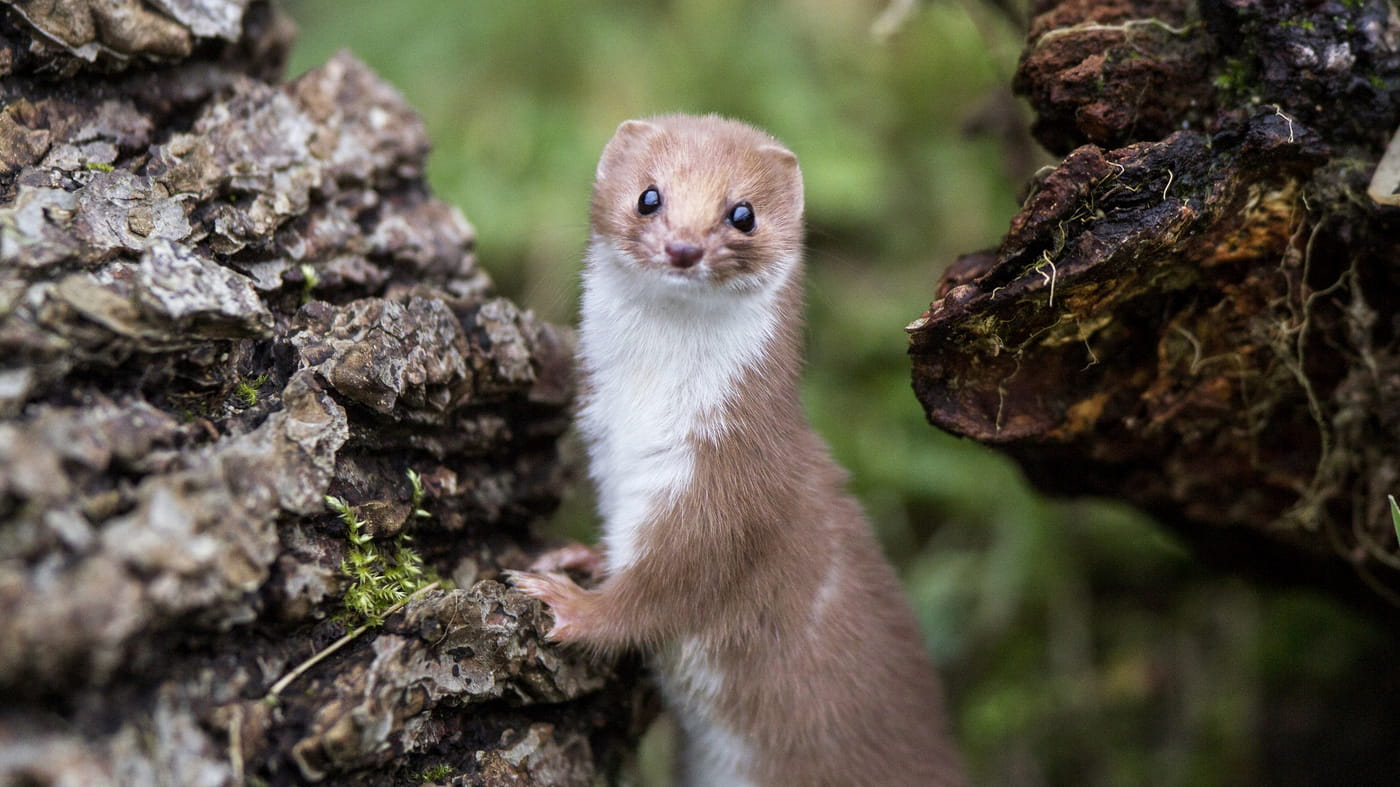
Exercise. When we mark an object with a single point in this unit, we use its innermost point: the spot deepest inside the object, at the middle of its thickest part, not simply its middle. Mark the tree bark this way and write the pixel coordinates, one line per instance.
(1194, 311)
(221, 300)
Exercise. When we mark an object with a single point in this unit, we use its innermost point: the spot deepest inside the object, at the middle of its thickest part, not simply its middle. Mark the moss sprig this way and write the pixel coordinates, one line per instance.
(435, 773)
(379, 578)
(309, 281)
(1395, 516)
(416, 501)
(246, 389)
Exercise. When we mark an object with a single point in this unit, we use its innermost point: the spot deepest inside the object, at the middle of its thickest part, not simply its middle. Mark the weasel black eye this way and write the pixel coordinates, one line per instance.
(649, 202)
(741, 217)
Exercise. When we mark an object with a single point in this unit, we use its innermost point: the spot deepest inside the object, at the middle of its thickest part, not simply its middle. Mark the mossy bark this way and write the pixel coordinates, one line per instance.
(222, 299)
(1194, 310)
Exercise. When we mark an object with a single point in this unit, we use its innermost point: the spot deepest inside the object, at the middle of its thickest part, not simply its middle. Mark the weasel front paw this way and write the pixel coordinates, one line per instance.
(563, 597)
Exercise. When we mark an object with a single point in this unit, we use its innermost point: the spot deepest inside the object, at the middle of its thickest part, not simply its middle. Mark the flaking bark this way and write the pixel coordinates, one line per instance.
(221, 299)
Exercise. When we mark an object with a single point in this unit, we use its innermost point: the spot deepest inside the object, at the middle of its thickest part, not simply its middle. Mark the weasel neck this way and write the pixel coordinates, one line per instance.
(685, 347)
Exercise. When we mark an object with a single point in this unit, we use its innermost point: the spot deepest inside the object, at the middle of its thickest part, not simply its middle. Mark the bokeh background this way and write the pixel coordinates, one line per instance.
(1079, 643)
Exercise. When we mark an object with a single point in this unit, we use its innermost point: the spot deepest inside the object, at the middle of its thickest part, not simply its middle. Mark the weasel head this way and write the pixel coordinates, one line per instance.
(699, 203)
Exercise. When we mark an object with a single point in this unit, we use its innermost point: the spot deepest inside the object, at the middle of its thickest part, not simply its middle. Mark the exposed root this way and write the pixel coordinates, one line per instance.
(1126, 28)
(1050, 277)
(1279, 111)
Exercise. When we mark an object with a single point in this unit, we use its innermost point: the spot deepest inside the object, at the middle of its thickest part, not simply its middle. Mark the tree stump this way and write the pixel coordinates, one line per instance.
(1195, 311)
(223, 299)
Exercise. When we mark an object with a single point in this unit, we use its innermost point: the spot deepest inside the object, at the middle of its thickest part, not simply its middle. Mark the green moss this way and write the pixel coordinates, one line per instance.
(379, 577)
(1233, 77)
(246, 391)
(309, 280)
(436, 773)
(416, 500)
(98, 166)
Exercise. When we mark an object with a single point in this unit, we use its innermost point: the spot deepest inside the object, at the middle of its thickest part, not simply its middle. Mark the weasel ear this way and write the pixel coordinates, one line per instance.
(780, 157)
(629, 132)
(784, 161)
(634, 129)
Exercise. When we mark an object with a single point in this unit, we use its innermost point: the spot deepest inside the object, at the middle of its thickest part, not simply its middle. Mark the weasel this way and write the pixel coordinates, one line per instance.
(732, 555)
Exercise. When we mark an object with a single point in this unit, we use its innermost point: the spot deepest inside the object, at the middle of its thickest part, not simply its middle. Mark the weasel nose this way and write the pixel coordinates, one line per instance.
(683, 255)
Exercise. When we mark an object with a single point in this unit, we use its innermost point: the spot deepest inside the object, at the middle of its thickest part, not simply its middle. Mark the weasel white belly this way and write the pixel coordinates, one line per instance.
(712, 754)
(661, 358)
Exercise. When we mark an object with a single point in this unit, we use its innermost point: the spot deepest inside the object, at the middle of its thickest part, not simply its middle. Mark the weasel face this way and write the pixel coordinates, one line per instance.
(699, 202)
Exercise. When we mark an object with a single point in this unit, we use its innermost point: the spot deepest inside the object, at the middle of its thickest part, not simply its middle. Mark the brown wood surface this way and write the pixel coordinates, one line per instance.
(1194, 311)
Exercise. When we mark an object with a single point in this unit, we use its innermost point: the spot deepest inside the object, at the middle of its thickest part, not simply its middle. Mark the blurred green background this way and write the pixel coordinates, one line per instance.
(1080, 645)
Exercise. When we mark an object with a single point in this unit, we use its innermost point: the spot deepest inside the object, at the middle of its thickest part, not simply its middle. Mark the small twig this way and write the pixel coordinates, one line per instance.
(235, 743)
(1049, 278)
(1001, 390)
(337, 645)
(1093, 359)
(1278, 110)
(1195, 347)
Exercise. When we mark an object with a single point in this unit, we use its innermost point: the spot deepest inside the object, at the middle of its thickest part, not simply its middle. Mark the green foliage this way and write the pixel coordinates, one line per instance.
(516, 131)
(1394, 515)
(379, 577)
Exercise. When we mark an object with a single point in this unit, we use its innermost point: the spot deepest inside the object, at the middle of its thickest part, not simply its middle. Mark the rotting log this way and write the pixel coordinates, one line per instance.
(1195, 310)
(221, 300)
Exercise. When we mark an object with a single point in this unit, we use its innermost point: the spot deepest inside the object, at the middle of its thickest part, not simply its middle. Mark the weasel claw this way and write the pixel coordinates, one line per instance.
(557, 592)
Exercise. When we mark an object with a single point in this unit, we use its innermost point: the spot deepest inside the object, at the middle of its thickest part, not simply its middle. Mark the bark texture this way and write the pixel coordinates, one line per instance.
(1195, 311)
(222, 299)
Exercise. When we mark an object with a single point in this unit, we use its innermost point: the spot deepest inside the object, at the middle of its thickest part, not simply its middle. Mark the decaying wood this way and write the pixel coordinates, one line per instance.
(1195, 310)
(221, 299)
